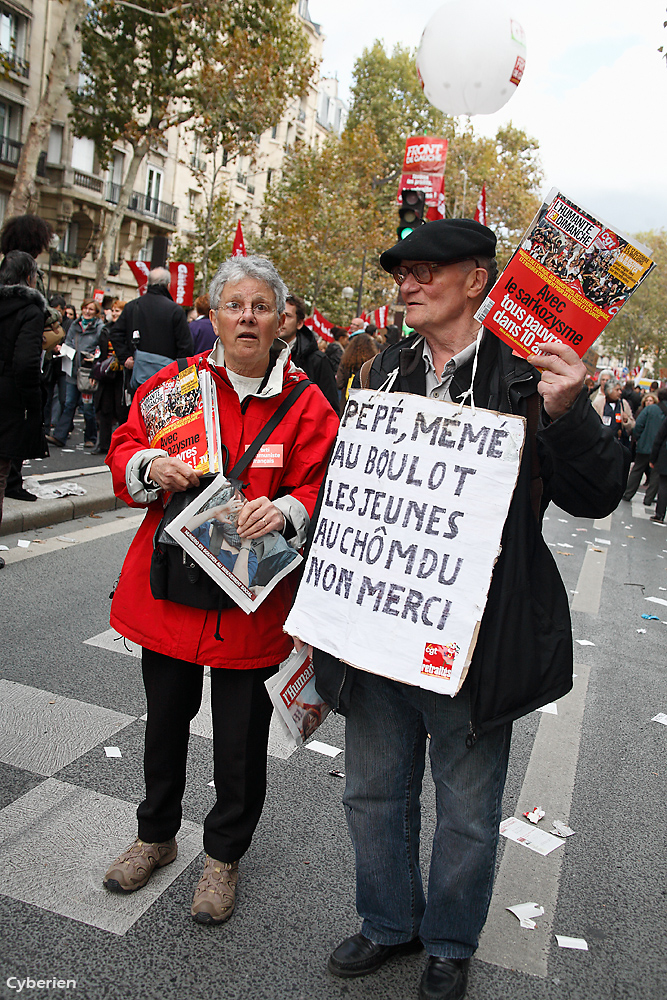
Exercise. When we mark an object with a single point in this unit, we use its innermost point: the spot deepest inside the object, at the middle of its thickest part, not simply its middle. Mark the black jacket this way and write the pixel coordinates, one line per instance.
(659, 450)
(22, 315)
(307, 355)
(161, 323)
(523, 655)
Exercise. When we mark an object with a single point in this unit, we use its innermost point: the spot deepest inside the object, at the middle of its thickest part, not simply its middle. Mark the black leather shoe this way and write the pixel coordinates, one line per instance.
(358, 956)
(19, 494)
(444, 979)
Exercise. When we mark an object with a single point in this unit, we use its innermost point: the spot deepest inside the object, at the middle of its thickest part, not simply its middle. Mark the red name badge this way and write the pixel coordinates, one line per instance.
(268, 456)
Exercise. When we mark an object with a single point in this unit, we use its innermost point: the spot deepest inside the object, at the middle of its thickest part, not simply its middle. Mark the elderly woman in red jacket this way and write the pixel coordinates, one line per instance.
(253, 374)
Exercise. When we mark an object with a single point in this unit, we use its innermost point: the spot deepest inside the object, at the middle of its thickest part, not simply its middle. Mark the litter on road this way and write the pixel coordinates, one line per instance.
(661, 718)
(651, 618)
(571, 942)
(324, 748)
(535, 815)
(525, 912)
(529, 836)
(550, 709)
(560, 829)
(112, 752)
(584, 642)
(657, 600)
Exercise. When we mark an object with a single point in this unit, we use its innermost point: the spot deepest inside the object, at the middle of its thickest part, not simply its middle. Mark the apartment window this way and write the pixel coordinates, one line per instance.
(269, 175)
(146, 252)
(69, 239)
(55, 152)
(153, 187)
(4, 198)
(83, 155)
(10, 120)
(274, 132)
(13, 30)
(192, 202)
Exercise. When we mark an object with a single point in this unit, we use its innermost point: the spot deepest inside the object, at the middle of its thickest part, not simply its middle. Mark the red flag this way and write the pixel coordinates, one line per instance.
(480, 211)
(380, 317)
(238, 246)
(182, 283)
(320, 326)
(140, 270)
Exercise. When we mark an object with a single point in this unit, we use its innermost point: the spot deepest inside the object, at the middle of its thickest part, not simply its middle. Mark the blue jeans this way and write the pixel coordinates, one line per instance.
(72, 397)
(386, 734)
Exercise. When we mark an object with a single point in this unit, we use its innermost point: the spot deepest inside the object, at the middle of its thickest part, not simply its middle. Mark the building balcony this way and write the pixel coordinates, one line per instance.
(14, 64)
(88, 181)
(144, 205)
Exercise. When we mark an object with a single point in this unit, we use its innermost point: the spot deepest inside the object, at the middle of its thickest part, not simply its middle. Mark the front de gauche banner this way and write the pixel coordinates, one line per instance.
(413, 508)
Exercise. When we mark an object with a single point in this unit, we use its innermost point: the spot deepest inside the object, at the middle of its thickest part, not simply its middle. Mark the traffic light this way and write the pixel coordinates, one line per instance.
(411, 212)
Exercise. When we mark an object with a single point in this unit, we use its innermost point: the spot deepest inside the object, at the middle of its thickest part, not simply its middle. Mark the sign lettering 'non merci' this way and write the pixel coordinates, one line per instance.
(412, 514)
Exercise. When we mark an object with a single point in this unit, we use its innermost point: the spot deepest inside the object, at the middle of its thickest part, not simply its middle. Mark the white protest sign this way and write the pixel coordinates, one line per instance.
(412, 515)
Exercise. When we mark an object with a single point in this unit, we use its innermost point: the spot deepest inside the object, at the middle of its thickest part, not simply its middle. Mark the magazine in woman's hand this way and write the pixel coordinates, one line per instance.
(246, 570)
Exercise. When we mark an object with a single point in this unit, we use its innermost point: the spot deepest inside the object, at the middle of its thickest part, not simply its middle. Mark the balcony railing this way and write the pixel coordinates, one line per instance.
(10, 151)
(145, 205)
(88, 181)
(15, 63)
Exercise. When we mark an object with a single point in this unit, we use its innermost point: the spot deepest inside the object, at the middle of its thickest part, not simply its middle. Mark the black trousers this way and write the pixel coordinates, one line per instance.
(241, 711)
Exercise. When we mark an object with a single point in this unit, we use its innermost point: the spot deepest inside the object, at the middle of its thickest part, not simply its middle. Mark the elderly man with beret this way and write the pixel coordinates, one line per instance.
(523, 655)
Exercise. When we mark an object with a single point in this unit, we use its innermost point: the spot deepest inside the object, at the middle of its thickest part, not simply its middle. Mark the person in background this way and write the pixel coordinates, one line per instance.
(392, 336)
(23, 313)
(32, 235)
(615, 412)
(658, 463)
(334, 350)
(70, 316)
(597, 392)
(304, 350)
(360, 348)
(650, 419)
(84, 337)
(109, 395)
(153, 323)
(201, 328)
(633, 396)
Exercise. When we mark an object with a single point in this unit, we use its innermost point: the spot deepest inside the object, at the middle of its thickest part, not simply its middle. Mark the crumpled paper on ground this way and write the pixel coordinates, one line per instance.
(53, 492)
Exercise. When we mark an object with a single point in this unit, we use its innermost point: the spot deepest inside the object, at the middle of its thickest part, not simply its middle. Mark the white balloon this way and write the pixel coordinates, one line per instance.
(471, 57)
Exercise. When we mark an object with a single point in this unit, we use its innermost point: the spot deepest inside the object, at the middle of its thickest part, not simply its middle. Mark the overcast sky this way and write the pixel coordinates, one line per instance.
(594, 92)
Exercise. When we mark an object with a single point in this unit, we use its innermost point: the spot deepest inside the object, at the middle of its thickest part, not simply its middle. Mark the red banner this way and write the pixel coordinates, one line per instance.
(480, 211)
(238, 246)
(424, 170)
(140, 271)
(380, 317)
(182, 283)
(320, 326)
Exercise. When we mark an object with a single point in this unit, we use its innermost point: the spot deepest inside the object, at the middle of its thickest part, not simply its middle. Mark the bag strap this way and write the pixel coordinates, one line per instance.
(365, 373)
(268, 429)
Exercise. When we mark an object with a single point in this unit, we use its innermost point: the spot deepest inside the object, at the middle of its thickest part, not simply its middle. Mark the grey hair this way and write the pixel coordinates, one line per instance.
(606, 371)
(611, 384)
(159, 276)
(237, 268)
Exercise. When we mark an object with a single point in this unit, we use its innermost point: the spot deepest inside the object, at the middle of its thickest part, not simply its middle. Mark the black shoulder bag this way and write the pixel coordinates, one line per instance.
(174, 575)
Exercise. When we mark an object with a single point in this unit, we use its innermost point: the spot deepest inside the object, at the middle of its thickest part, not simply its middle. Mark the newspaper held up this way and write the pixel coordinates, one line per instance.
(568, 278)
(297, 703)
(175, 419)
(246, 570)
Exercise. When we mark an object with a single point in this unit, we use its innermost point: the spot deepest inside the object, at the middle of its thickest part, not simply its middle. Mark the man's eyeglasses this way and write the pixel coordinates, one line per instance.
(423, 273)
(237, 309)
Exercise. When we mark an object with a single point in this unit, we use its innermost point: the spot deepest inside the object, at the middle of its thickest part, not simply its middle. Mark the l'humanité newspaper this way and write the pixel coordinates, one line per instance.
(568, 278)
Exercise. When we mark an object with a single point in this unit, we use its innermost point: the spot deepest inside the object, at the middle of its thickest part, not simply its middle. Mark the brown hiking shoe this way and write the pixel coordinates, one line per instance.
(214, 897)
(135, 866)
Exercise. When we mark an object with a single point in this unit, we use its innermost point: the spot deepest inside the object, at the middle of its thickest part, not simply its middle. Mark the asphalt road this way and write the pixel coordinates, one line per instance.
(66, 809)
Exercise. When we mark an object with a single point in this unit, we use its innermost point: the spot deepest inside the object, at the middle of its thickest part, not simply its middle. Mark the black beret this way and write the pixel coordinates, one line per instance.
(442, 240)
